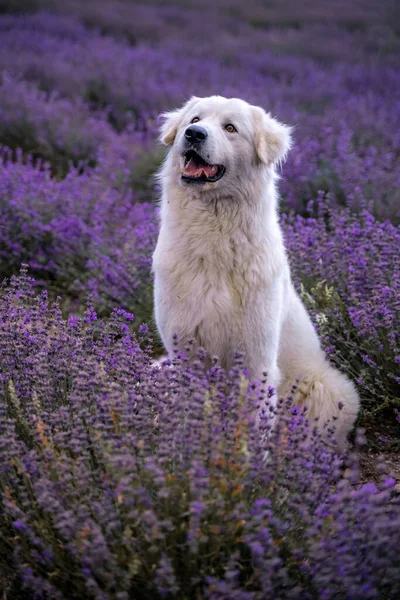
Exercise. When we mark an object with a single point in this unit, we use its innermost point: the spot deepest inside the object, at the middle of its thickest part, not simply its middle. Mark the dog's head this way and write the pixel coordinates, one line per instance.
(215, 142)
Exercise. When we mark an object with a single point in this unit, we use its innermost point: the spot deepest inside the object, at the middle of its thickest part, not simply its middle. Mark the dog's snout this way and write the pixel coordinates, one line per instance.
(196, 134)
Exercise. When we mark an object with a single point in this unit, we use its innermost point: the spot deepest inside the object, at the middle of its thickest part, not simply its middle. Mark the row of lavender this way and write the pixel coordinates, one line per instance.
(66, 92)
(122, 481)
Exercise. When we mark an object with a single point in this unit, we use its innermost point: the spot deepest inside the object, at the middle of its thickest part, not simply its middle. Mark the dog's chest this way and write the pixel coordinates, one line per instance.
(230, 267)
(209, 289)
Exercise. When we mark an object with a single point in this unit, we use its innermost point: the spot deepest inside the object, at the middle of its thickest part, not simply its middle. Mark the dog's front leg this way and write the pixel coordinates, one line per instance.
(264, 351)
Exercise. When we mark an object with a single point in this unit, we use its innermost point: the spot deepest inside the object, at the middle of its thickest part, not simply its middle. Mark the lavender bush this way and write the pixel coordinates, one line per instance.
(351, 265)
(122, 480)
(57, 130)
(77, 235)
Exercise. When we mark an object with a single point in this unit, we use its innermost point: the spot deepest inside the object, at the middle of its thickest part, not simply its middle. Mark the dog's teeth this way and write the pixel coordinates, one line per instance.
(195, 170)
(191, 169)
(210, 171)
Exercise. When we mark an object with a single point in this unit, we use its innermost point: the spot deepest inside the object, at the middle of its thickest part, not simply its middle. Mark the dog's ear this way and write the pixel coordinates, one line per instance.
(171, 121)
(169, 126)
(273, 139)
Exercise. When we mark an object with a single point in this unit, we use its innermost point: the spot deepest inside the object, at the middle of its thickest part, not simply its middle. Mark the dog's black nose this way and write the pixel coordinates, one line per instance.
(196, 134)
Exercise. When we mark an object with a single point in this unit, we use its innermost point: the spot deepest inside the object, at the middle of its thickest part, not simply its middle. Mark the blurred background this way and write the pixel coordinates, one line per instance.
(82, 82)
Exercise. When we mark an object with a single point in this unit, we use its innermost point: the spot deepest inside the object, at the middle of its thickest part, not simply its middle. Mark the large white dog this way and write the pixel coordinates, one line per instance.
(222, 276)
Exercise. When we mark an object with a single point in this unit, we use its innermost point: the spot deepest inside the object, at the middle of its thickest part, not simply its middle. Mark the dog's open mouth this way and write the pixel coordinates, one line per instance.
(197, 170)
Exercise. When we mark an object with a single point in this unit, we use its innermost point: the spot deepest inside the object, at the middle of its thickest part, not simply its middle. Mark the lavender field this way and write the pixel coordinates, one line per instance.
(122, 481)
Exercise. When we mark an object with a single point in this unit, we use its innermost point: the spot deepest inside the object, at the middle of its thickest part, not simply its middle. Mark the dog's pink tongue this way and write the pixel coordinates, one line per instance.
(210, 170)
(195, 170)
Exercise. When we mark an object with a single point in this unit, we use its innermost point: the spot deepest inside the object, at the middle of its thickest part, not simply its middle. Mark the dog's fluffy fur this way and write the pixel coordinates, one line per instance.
(222, 276)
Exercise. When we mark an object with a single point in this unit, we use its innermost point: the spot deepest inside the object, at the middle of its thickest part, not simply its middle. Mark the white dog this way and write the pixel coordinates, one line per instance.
(222, 276)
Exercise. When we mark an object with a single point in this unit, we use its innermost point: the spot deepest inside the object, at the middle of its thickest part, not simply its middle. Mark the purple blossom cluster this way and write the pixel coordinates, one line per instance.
(358, 308)
(78, 236)
(49, 127)
(121, 480)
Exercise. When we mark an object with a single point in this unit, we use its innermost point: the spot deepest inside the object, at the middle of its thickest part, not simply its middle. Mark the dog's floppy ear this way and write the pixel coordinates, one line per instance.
(171, 121)
(169, 126)
(273, 139)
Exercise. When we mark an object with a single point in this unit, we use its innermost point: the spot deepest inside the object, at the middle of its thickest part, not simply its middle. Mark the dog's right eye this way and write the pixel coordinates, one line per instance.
(195, 119)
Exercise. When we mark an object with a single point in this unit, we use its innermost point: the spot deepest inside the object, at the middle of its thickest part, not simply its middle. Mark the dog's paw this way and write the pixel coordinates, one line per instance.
(158, 362)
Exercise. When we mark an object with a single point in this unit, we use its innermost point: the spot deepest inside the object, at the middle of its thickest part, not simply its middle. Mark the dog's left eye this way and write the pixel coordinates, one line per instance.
(230, 128)
(195, 119)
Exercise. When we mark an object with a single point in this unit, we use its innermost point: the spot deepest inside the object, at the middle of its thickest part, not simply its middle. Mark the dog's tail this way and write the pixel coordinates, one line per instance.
(330, 396)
